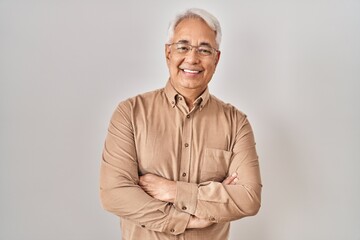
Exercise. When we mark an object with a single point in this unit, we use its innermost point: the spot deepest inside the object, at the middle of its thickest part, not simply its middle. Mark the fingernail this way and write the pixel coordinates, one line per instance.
(236, 180)
(234, 174)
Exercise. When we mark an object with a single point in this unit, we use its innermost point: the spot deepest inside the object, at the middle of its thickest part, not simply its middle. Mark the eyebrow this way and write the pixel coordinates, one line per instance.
(201, 44)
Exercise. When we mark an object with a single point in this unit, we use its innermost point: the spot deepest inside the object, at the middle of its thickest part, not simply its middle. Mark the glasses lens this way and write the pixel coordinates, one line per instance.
(205, 50)
(182, 47)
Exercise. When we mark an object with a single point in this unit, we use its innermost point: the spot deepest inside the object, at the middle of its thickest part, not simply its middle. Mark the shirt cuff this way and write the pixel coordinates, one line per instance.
(186, 197)
(177, 222)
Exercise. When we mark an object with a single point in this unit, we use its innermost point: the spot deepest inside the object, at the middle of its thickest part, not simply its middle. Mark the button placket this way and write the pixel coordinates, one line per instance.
(186, 148)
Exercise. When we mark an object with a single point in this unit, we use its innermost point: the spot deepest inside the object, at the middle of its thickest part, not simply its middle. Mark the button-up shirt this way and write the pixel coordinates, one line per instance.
(198, 148)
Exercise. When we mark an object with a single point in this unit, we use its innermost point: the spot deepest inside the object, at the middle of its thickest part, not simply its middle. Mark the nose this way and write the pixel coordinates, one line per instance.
(192, 56)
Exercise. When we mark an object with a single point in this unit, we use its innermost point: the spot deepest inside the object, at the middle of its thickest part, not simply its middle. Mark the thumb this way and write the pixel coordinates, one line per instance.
(230, 179)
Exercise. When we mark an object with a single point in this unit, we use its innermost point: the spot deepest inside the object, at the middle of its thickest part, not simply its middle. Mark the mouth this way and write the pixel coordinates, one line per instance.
(191, 71)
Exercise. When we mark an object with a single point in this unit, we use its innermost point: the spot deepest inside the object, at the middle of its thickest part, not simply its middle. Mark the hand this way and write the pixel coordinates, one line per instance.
(231, 180)
(196, 222)
(165, 190)
(158, 187)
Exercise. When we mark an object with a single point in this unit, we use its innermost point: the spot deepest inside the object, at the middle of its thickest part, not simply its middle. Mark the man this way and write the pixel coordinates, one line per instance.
(179, 163)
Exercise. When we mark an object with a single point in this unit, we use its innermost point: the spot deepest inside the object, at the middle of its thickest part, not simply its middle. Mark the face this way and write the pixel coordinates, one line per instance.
(190, 73)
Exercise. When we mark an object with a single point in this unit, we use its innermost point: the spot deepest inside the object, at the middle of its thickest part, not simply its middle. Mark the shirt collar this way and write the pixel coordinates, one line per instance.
(172, 96)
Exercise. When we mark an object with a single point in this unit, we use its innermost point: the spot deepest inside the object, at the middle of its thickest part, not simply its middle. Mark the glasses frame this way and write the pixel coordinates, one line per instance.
(216, 51)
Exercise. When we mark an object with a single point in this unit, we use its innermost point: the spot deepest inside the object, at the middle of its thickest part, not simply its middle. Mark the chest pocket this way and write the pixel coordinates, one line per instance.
(215, 164)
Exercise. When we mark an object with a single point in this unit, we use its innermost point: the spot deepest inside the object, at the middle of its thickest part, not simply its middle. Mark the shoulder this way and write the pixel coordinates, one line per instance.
(226, 108)
(127, 108)
(237, 118)
(141, 99)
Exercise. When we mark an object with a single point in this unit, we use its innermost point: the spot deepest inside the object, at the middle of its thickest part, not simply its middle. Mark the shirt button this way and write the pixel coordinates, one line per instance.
(186, 144)
(184, 174)
(184, 208)
(212, 219)
(187, 116)
(172, 230)
(142, 226)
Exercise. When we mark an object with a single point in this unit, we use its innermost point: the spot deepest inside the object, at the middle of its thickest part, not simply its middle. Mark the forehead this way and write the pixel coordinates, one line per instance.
(195, 31)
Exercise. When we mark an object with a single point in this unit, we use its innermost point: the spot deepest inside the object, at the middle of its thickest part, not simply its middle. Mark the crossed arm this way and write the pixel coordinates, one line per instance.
(236, 197)
(165, 190)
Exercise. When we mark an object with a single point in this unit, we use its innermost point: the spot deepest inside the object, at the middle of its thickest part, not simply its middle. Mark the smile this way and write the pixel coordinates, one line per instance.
(191, 71)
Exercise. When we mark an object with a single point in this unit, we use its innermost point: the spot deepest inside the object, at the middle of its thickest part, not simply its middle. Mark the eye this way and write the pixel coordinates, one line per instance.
(182, 48)
(205, 51)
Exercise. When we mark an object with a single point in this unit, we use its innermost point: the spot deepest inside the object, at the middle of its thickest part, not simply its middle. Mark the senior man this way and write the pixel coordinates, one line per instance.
(178, 163)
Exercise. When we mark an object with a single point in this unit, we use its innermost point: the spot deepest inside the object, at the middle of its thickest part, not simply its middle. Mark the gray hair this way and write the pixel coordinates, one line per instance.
(207, 17)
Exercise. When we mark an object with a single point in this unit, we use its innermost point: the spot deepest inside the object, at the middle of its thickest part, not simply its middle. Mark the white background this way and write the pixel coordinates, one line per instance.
(292, 66)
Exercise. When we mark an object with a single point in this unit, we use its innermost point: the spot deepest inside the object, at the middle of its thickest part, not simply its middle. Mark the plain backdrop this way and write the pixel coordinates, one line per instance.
(292, 66)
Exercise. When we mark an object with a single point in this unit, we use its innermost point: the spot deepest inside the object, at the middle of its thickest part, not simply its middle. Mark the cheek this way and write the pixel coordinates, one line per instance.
(174, 61)
(210, 69)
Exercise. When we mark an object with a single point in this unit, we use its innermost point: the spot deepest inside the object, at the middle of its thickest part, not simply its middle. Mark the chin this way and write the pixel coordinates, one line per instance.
(190, 83)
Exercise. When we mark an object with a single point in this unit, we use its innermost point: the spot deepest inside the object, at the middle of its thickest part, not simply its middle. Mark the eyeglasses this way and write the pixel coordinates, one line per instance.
(202, 50)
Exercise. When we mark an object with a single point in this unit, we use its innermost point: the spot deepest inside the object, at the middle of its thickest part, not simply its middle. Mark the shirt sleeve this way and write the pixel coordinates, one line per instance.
(221, 203)
(119, 190)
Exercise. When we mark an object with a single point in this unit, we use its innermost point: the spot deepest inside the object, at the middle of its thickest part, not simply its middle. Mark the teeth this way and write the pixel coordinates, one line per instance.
(190, 71)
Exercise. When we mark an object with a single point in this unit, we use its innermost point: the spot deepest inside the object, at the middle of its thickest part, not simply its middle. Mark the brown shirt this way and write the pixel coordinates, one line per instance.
(156, 133)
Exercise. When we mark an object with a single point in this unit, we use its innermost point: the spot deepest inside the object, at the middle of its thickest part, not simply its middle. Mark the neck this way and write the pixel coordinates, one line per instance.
(190, 95)
(189, 103)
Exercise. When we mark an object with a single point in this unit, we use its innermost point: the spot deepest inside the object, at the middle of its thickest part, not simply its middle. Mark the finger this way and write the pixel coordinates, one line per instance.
(227, 181)
(142, 181)
(235, 181)
(145, 178)
(230, 179)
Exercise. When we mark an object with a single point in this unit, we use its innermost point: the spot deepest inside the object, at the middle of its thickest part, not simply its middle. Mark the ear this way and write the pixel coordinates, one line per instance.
(167, 53)
(217, 58)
